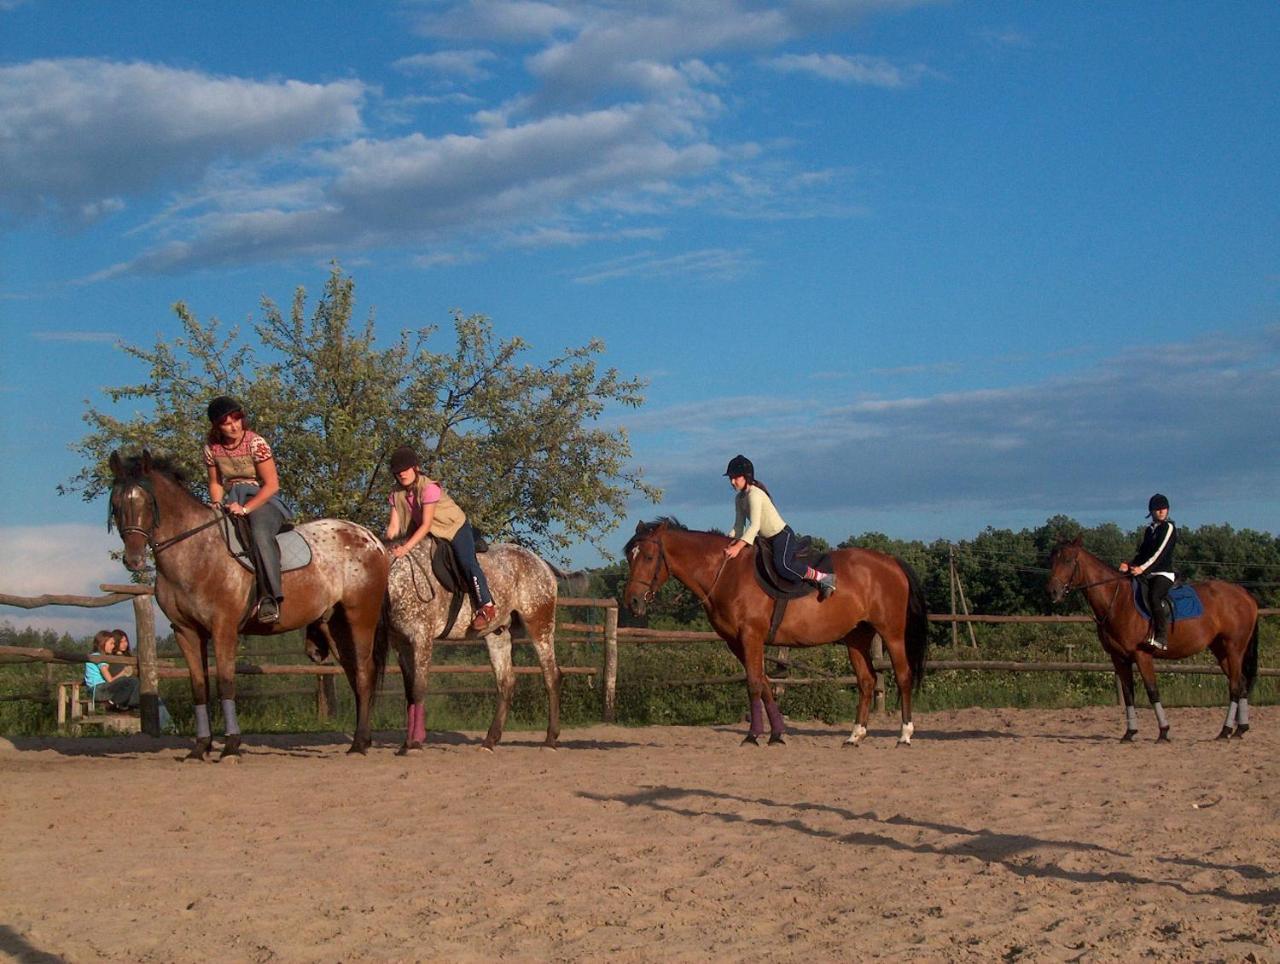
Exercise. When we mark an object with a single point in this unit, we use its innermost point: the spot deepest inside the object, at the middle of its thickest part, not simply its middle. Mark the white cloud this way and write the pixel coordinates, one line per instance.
(464, 64)
(78, 135)
(709, 263)
(850, 69)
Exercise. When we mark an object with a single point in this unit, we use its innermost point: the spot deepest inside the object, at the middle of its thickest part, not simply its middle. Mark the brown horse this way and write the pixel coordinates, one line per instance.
(877, 594)
(1228, 628)
(206, 593)
(524, 591)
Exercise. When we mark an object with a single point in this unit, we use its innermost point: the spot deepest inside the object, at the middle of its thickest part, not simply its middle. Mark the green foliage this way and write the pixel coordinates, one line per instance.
(515, 442)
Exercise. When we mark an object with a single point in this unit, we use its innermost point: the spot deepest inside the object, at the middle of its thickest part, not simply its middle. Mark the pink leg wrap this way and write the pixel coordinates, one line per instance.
(757, 717)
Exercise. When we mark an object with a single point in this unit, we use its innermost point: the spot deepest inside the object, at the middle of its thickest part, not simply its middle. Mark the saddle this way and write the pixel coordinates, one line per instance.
(778, 586)
(447, 572)
(1183, 602)
(295, 551)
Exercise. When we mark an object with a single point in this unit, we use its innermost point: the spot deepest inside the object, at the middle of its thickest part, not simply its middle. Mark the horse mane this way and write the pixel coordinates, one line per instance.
(132, 468)
(645, 529)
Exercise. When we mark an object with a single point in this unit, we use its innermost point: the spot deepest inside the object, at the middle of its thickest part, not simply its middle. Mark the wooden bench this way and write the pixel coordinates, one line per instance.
(77, 709)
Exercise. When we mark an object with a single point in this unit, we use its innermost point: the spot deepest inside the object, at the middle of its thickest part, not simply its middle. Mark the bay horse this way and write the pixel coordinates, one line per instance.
(337, 598)
(877, 594)
(419, 610)
(1228, 628)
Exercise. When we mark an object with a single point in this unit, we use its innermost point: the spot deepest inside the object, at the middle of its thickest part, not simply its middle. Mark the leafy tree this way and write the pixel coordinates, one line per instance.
(516, 442)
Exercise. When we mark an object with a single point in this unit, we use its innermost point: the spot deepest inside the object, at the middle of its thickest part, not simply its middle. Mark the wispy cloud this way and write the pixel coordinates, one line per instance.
(77, 336)
(850, 69)
(709, 263)
(466, 65)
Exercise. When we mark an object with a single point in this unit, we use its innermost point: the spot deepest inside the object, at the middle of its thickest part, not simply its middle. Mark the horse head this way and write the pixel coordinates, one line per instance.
(1064, 569)
(132, 508)
(648, 564)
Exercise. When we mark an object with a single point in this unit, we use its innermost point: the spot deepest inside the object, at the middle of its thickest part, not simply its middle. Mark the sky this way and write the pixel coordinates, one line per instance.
(933, 266)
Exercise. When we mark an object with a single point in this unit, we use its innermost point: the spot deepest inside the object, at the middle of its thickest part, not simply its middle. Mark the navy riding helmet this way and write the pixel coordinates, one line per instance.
(1157, 501)
(740, 465)
(221, 407)
(403, 458)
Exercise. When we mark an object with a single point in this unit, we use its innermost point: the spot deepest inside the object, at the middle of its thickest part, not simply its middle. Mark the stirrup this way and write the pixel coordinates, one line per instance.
(268, 611)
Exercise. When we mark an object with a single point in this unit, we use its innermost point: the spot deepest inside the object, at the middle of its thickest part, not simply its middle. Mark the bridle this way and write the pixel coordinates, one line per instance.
(655, 583)
(149, 534)
(1075, 571)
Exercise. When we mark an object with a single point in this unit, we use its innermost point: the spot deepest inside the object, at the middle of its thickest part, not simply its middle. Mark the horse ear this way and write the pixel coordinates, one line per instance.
(116, 464)
(639, 527)
(146, 460)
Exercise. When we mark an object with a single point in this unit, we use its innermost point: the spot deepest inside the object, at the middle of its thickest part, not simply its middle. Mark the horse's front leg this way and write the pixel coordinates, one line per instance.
(751, 653)
(194, 647)
(1146, 666)
(1123, 664)
(414, 657)
(504, 675)
(225, 642)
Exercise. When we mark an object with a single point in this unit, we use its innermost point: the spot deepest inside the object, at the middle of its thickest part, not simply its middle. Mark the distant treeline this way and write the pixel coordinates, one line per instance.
(1004, 572)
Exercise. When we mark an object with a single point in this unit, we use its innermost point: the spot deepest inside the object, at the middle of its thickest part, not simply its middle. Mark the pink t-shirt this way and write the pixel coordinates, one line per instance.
(431, 493)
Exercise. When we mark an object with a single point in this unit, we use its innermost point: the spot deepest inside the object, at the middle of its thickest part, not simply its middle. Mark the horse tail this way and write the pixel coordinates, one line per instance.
(1250, 665)
(917, 634)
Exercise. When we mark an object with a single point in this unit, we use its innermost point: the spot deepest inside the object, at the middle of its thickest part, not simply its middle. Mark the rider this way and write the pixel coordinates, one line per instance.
(755, 514)
(1153, 562)
(243, 478)
(420, 507)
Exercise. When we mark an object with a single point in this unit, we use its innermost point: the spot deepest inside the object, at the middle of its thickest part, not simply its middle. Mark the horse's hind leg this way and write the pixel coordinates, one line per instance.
(505, 676)
(897, 648)
(1232, 668)
(859, 646)
(1146, 666)
(544, 644)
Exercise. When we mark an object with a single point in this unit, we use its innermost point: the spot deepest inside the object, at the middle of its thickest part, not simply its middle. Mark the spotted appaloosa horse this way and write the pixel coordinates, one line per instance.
(1228, 628)
(524, 592)
(877, 594)
(337, 598)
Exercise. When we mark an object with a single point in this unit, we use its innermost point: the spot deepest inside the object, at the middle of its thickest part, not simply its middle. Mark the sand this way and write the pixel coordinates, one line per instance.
(1012, 835)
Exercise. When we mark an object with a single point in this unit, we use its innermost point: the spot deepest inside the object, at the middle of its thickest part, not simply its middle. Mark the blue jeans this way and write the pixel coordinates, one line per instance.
(464, 548)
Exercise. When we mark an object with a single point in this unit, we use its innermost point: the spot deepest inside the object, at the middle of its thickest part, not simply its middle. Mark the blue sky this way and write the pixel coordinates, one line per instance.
(932, 266)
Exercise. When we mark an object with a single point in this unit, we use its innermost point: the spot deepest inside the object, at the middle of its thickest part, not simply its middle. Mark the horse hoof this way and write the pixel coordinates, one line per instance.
(776, 738)
(195, 756)
(551, 744)
(750, 738)
(486, 747)
(408, 748)
(1128, 736)
(359, 747)
(1164, 735)
(1241, 730)
(1224, 733)
(230, 757)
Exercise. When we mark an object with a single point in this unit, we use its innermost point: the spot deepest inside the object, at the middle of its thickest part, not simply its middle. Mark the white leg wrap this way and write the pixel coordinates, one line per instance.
(202, 721)
(229, 717)
(1131, 717)
(1243, 716)
(907, 730)
(859, 733)
(1232, 710)
(1160, 717)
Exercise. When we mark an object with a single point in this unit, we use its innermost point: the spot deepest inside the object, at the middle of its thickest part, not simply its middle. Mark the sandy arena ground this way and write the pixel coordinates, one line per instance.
(1014, 835)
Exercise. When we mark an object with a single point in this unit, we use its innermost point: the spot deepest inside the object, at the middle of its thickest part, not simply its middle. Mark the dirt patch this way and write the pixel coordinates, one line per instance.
(998, 835)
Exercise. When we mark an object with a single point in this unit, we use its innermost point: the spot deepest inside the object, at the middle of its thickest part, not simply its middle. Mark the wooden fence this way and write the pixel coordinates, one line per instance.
(151, 669)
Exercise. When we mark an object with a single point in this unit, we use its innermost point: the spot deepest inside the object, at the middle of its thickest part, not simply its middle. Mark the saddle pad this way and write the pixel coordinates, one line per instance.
(1183, 596)
(777, 585)
(295, 553)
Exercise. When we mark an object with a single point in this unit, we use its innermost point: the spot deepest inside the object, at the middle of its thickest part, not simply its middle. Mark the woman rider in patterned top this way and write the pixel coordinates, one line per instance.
(243, 479)
(420, 507)
(754, 513)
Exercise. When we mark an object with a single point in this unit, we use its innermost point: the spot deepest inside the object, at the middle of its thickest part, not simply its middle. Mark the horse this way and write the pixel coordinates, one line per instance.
(420, 611)
(877, 594)
(1228, 628)
(205, 593)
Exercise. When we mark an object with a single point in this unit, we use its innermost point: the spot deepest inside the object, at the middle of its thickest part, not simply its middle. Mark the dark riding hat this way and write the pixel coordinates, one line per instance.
(222, 406)
(403, 458)
(740, 465)
(1157, 501)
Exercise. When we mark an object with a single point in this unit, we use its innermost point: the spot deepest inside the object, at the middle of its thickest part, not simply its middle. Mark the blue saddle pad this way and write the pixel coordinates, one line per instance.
(1185, 599)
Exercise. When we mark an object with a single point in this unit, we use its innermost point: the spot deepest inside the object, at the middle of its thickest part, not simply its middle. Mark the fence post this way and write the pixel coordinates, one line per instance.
(877, 654)
(144, 617)
(326, 697)
(610, 664)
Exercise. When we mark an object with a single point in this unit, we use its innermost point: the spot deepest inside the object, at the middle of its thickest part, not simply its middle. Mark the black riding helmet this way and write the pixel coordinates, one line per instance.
(740, 465)
(1157, 501)
(403, 458)
(222, 406)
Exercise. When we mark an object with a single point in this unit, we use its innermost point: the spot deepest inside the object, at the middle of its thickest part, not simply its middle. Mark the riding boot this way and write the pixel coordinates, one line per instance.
(1160, 623)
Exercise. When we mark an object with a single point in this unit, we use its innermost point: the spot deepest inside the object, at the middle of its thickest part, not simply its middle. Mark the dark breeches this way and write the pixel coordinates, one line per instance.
(464, 547)
(1157, 589)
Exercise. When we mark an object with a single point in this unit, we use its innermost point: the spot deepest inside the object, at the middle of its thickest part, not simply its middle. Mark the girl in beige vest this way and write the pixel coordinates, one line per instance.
(420, 507)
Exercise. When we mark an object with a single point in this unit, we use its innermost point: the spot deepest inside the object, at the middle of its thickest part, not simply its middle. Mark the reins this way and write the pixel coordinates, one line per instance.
(149, 534)
(651, 592)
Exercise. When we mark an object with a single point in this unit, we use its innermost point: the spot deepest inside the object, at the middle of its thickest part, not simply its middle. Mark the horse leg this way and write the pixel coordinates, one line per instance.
(1124, 675)
(194, 650)
(544, 644)
(505, 675)
(1232, 669)
(1146, 666)
(896, 646)
(414, 657)
(225, 642)
(859, 646)
(759, 693)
